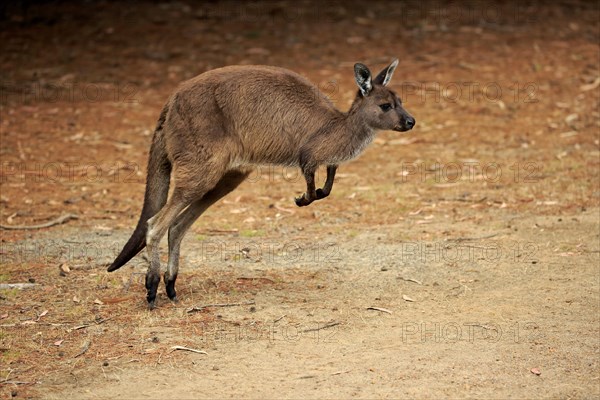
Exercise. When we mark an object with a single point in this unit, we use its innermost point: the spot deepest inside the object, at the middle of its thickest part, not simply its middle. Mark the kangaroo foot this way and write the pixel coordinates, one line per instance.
(303, 200)
(321, 194)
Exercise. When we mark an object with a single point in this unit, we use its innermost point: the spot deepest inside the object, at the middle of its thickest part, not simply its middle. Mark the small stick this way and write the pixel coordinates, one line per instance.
(463, 239)
(76, 328)
(341, 372)
(57, 221)
(385, 310)
(5, 286)
(200, 308)
(85, 348)
(221, 230)
(187, 349)
(21, 152)
(103, 320)
(410, 280)
(287, 210)
(307, 377)
(279, 319)
(329, 325)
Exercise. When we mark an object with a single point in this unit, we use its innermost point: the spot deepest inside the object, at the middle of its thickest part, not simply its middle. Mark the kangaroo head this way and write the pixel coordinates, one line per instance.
(379, 106)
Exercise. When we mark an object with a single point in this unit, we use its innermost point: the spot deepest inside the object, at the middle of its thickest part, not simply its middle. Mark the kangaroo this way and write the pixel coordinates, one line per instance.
(220, 124)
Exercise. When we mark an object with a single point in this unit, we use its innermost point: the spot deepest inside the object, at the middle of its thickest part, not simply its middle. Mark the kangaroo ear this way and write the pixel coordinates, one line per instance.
(363, 78)
(385, 75)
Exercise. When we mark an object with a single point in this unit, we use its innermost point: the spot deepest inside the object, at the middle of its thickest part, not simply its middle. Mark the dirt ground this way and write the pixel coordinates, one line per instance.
(459, 260)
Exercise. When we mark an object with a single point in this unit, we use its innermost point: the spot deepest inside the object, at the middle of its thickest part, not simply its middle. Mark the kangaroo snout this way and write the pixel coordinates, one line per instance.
(406, 124)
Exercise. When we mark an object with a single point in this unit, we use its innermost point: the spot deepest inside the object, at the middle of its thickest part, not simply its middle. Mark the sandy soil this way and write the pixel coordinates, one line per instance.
(458, 260)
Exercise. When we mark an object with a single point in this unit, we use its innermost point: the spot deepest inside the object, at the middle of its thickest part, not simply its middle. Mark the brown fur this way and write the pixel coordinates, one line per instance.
(220, 124)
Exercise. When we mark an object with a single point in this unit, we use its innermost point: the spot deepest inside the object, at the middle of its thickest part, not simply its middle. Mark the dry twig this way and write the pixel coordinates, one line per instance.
(385, 310)
(200, 308)
(410, 280)
(86, 347)
(464, 239)
(57, 221)
(328, 325)
(188, 349)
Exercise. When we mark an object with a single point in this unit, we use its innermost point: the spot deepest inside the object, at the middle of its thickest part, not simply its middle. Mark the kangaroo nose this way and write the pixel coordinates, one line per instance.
(410, 122)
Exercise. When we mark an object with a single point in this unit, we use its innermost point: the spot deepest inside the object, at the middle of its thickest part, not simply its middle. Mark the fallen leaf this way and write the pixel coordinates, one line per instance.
(590, 86)
(568, 134)
(10, 218)
(571, 117)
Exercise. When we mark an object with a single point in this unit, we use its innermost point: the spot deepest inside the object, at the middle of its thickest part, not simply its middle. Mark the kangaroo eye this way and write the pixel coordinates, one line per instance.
(385, 107)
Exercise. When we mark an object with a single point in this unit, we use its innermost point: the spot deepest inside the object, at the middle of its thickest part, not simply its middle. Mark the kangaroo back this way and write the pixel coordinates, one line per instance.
(266, 112)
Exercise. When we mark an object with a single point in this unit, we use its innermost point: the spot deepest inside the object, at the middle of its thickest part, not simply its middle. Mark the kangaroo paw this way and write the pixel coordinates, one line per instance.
(152, 282)
(170, 287)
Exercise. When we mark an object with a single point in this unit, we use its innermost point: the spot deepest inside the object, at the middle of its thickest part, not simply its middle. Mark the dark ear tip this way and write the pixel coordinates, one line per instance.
(361, 70)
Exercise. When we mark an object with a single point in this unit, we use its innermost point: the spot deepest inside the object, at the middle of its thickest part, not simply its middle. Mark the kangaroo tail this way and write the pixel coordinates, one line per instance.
(157, 190)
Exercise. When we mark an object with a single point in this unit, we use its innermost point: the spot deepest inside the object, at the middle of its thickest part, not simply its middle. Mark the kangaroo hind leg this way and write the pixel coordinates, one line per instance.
(189, 186)
(184, 221)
